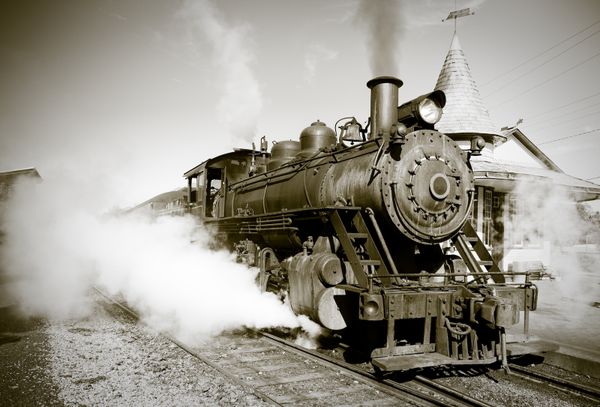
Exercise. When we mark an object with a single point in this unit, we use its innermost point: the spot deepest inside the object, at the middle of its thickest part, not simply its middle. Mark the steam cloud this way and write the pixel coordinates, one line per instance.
(385, 26)
(386, 21)
(58, 240)
(549, 211)
(56, 246)
(231, 51)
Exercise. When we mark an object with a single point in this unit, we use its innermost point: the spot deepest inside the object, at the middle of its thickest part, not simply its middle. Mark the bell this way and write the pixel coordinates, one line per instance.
(351, 132)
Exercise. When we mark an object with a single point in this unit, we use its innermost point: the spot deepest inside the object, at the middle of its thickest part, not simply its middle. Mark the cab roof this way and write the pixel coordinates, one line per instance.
(236, 153)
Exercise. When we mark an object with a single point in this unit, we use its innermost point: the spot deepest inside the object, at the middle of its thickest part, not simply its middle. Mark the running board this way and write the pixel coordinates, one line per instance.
(421, 360)
(407, 362)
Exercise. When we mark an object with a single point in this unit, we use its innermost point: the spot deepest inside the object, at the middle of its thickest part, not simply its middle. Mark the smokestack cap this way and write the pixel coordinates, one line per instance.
(384, 79)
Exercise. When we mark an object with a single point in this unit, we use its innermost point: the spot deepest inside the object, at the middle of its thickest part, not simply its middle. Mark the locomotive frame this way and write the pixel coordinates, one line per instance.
(354, 235)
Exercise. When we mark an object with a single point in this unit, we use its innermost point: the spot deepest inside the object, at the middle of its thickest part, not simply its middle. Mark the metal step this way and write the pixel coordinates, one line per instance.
(405, 362)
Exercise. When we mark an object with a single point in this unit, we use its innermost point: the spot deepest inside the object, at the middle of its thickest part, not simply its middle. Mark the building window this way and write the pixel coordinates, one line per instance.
(485, 229)
(522, 231)
(474, 214)
(488, 225)
(497, 202)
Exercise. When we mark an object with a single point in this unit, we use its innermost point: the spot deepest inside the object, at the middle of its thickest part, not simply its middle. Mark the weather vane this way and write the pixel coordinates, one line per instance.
(458, 14)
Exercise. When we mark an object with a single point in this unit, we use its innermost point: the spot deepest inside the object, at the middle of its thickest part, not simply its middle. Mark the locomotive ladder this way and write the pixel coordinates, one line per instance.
(468, 243)
(359, 245)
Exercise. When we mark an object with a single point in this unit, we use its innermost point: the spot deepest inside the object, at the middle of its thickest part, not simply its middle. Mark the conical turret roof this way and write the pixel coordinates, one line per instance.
(464, 113)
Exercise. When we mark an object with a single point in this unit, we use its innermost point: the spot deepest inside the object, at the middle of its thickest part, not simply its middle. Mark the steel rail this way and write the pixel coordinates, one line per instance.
(569, 386)
(386, 385)
(458, 398)
(419, 398)
(187, 349)
(450, 391)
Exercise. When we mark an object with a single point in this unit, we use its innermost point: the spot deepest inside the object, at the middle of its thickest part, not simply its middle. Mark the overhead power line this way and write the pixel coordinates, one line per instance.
(546, 81)
(563, 106)
(540, 54)
(543, 63)
(568, 137)
(564, 117)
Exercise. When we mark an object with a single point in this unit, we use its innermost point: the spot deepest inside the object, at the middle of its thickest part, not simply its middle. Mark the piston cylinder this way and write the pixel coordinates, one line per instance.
(312, 288)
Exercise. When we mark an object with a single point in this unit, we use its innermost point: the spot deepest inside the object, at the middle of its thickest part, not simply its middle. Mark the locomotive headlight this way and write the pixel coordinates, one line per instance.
(430, 111)
(371, 307)
(426, 110)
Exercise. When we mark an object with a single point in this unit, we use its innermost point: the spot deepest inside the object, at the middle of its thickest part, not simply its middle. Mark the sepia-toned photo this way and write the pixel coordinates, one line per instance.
(299, 203)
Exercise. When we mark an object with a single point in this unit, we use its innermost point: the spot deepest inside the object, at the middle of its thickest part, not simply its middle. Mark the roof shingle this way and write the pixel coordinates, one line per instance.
(464, 112)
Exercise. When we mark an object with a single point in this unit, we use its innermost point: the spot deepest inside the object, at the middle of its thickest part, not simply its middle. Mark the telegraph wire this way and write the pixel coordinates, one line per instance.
(568, 137)
(563, 118)
(540, 54)
(565, 105)
(545, 82)
(542, 64)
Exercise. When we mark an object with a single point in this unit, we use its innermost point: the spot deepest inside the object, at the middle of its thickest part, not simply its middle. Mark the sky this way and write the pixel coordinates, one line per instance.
(128, 95)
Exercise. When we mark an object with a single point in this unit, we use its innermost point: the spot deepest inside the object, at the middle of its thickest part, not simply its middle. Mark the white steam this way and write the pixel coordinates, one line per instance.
(231, 53)
(552, 231)
(56, 247)
(384, 24)
(546, 209)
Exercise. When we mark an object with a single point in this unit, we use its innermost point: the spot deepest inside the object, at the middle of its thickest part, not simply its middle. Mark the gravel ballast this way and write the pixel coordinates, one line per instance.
(103, 361)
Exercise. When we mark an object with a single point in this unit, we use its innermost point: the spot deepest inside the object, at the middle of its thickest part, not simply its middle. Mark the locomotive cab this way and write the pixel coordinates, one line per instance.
(208, 182)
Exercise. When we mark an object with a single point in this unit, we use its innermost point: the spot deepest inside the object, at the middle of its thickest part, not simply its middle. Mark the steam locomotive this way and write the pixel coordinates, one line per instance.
(367, 232)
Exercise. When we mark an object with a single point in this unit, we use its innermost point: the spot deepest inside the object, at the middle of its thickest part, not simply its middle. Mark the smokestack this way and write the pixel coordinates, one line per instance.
(384, 105)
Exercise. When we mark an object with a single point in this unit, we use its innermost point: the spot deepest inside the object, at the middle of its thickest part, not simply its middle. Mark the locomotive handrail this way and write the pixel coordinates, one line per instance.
(265, 175)
(286, 213)
(418, 286)
(285, 220)
(306, 194)
(364, 146)
(293, 164)
(386, 251)
(483, 273)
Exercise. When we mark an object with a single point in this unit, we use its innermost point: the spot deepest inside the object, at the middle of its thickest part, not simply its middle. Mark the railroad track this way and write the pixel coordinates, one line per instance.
(282, 373)
(420, 387)
(565, 385)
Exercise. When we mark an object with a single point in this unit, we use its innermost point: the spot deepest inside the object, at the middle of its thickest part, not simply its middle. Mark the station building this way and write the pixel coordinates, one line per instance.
(515, 181)
(9, 178)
